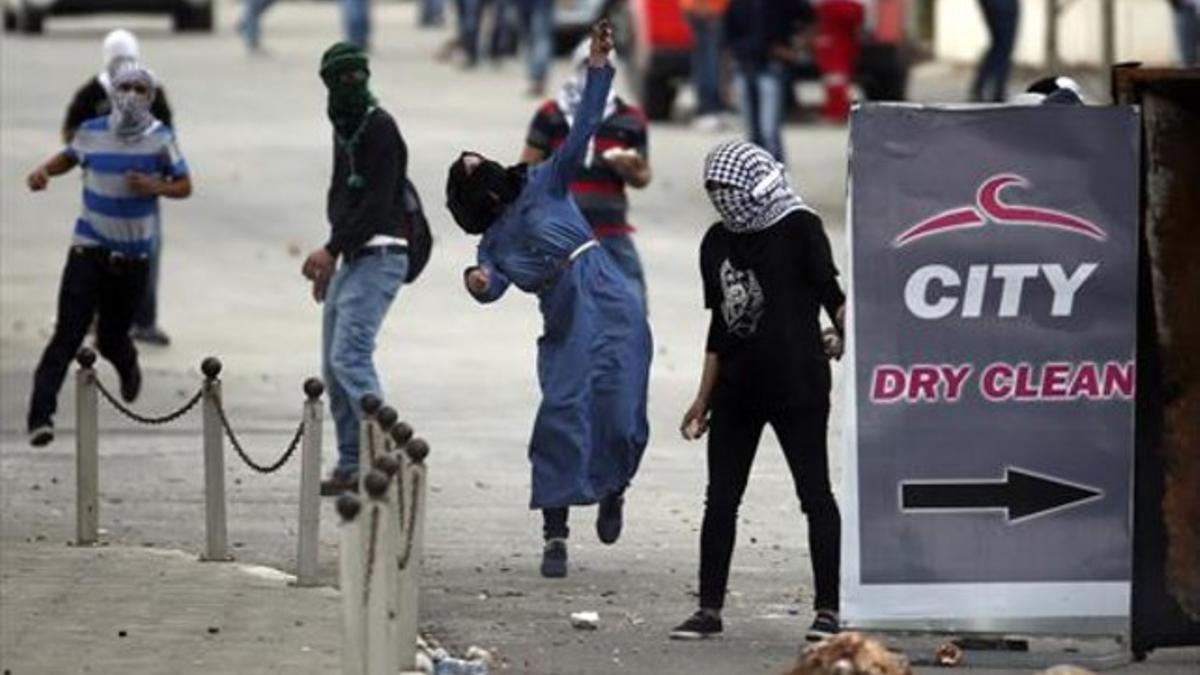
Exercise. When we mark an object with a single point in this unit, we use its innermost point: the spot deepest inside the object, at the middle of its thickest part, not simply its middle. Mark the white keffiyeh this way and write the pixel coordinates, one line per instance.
(120, 46)
(749, 189)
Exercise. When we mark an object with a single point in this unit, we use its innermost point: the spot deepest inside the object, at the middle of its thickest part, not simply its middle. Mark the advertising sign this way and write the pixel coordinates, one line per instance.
(991, 372)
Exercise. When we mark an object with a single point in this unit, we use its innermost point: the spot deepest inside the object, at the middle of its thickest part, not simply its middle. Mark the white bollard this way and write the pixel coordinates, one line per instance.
(413, 486)
(369, 443)
(87, 452)
(351, 570)
(381, 533)
(214, 466)
(309, 532)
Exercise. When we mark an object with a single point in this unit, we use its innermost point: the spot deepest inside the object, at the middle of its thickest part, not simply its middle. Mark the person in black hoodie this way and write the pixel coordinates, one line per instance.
(768, 271)
(760, 33)
(365, 207)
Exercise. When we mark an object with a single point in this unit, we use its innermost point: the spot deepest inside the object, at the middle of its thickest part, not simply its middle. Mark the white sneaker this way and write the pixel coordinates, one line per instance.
(710, 123)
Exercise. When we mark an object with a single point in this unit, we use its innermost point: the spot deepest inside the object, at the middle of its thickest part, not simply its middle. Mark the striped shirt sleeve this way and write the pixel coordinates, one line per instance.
(174, 164)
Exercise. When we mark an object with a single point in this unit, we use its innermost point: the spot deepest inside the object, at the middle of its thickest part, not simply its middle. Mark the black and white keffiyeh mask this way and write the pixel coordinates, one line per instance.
(134, 89)
(749, 189)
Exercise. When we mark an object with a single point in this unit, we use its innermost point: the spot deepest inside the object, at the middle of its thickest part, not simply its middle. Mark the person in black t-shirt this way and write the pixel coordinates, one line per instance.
(768, 271)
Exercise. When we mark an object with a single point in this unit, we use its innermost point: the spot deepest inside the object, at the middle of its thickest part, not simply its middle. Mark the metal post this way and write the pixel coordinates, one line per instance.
(1107, 28)
(367, 435)
(308, 533)
(408, 585)
(381, 576)
(214, 465)
(350, 578)
(87, 451)
(1051, 47)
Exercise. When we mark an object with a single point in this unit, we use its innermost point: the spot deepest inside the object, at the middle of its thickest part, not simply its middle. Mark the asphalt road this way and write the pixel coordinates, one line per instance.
(254, 131)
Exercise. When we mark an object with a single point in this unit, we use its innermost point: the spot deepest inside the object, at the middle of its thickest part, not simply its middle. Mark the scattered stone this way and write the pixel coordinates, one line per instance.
(298, 623)
(121, 633)
(585, 620)
(948, 655)
(54, 480)
(293, 249)
(213, 630)
(35, 487)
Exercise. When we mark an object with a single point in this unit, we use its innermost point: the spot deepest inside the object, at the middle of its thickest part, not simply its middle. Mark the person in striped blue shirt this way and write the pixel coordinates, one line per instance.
(129, 159)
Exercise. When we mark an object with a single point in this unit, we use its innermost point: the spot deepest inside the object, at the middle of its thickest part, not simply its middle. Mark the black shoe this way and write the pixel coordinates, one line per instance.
(699, 626)
(825, 625)
(131, 384)
(609, 518)
(151, 335)
(40, 435)
(554, 559)
(339, 482)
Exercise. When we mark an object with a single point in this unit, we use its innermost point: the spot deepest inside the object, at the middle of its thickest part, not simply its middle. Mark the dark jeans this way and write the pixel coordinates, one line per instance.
(991, 81)
(732, 442)
(146, 315)
(762, 94)
(554, 523)
(93, 281)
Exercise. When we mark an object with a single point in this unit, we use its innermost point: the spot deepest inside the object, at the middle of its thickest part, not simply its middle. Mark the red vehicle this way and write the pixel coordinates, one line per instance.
(656, 41)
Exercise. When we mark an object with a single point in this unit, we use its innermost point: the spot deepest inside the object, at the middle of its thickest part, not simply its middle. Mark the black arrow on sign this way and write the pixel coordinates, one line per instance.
(1022, 493)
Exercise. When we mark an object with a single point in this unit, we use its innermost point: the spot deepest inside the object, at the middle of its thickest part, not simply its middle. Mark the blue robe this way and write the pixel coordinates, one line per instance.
(594, 354)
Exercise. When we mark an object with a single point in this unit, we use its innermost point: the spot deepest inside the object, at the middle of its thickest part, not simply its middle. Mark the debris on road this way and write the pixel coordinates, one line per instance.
(585, 620)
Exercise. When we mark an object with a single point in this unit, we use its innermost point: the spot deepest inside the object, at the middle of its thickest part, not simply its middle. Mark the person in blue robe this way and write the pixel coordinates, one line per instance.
(594, 355)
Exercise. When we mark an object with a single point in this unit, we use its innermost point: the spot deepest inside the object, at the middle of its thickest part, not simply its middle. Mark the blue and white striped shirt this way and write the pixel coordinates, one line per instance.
(113, 216)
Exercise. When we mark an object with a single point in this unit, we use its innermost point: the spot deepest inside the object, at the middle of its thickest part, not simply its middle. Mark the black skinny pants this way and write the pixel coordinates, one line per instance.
(732, 443)
(93, 281)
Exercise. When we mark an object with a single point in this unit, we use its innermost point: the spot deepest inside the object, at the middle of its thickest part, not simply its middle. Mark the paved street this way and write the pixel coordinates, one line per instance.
(254, 131)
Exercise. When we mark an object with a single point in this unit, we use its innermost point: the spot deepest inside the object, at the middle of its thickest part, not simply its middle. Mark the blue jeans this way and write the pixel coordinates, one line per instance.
(251, 19)
(706, 63)
(620, 248)
(358, 299)
(761, 89)
(432, 12)
(470, 15)
(1187, 33)
(356, 21)
(539, 29)
(991, 81)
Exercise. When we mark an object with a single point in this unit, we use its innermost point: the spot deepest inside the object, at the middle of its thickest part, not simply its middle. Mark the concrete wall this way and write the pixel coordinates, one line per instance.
(1144, 32)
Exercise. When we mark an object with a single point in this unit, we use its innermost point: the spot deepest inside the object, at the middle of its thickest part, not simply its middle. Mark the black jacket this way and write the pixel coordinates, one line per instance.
(753, 27)
(357, 214)
(92, 101)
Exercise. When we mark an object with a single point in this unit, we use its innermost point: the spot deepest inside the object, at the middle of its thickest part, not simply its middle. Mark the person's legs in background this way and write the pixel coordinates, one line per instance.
(540, 33)
(991, 80)
(770, 82)
(145, 320)
(470, 16)
(356, 22)
(748, 92)
(1187, 33)
(839, 23)
(433, 13)
(706, 70)
(250, 23)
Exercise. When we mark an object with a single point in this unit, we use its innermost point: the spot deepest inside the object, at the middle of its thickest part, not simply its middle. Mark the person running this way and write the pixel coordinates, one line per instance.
(365, 208)
(250, 25)
(92, 100)
(617, 156)
(129, 159)
(594, 355)
(767, 272)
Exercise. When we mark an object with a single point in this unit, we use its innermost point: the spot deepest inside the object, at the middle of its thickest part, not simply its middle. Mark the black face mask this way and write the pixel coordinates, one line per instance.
(477, 199)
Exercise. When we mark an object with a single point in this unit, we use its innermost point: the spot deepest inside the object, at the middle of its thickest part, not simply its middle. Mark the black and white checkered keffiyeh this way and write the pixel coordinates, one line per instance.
(748, 187)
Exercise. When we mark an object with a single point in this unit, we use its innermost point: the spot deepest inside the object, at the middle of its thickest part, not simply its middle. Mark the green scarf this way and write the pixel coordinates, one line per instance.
(350, 102)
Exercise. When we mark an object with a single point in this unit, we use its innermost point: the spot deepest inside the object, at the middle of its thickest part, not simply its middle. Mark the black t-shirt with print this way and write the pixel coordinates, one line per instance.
(765, 290)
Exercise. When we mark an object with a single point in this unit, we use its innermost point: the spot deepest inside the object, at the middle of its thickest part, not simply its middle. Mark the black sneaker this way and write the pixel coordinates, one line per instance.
(699, 626)
(40, 435)
(825, 625)
(339, 482)
(609, 518)
(151, 335)
(554, 559)
(131, 384)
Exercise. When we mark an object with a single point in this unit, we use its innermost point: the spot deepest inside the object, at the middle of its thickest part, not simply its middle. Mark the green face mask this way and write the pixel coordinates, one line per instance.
(349, 101)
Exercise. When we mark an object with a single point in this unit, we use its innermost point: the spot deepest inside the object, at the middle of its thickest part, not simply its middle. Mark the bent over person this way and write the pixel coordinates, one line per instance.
(767, 271)
(366, 215)
(594, 354)
(129, 159)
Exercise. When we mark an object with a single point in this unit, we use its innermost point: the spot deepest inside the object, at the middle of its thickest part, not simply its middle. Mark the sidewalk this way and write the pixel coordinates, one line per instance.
(112, 609)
